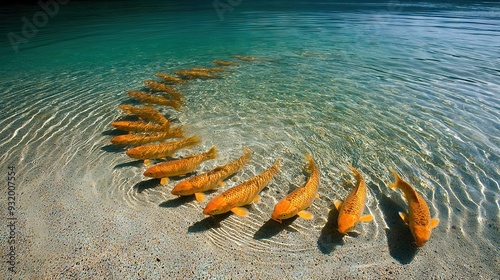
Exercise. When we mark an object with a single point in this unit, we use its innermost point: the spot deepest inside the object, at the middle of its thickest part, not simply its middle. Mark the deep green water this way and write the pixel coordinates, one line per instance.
(379, 85)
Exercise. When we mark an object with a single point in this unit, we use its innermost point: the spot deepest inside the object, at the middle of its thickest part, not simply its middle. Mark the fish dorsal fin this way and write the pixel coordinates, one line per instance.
(189, 157)
(359, 178)
(411, 194)
(218, 168)
(356, 188)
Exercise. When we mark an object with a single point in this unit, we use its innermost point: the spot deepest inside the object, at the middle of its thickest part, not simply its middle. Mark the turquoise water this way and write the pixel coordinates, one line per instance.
(378, 85)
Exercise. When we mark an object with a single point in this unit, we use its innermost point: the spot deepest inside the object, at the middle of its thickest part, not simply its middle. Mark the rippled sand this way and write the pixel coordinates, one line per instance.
(87, 211)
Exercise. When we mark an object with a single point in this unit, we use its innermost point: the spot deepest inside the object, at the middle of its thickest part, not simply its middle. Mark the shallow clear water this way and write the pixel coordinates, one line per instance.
(413, 87)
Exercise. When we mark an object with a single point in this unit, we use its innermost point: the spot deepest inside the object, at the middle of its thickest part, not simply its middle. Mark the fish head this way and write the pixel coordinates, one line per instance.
(216, 206)
(117, 139)
(133, 153)
(346, 222)
(284, 210)
(421, 234)
(149, 172)
(183, 188)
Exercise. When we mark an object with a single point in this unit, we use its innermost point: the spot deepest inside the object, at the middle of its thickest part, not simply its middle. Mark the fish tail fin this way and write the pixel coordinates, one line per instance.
(165, 124)
(177, 132)
(397, 180)
(212, 153)
(176, 104)
(277, 164)
(310, 163)
(356, 173)
(247, 153)
(125, 108)
(192, 141)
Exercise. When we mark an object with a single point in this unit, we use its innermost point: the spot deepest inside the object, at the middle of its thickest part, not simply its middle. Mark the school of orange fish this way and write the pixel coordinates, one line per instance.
(147, 138)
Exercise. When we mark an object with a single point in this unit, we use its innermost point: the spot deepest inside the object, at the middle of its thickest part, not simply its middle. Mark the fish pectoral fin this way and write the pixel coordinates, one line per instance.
(164, 181)
(337, 204)
(404, 217)
(434, 223)
(306, 215)
(366, 218)
(255, 199)
(147, 162)
(221, 184)
(317, 195)
(200, 197)
(240, 211)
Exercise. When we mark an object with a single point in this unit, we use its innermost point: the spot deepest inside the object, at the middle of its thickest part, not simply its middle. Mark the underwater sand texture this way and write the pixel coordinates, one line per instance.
(86, 212)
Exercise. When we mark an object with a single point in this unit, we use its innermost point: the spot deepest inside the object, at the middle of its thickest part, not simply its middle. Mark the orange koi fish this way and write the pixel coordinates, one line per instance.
(179, 167)
(243, 194)
(245, 58)
(189, 74)
(140, 126)
(209, 70)
(210, 180)
(225, 63)
(351, 209)
(141, 139)
(153, 99)
(161, 87)
(144, 113)
(170, 79)
(161, 150)
(418, 218)
(301, 198)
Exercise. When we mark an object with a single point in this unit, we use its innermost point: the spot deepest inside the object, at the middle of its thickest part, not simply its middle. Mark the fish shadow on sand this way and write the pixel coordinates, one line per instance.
(176, 202)
(144, 185)
(180, 200)
(399, 237)
(135, 163)
(113, 132)
(330, 236)
(179, 178)
(208, 223)
(272, 228)
(114, 148)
